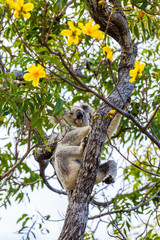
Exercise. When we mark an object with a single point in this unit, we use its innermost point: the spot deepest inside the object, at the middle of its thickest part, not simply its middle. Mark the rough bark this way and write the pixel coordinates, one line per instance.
(77, 211)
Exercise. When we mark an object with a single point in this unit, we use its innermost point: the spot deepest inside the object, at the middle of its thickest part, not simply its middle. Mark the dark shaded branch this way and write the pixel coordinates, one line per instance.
(43, 158)
(2, 69)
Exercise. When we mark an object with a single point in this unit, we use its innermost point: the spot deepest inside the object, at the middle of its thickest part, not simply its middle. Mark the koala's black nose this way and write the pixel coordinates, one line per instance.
(79, 114)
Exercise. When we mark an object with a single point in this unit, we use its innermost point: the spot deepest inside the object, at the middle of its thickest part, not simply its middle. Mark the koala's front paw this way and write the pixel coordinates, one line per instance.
(109, 180)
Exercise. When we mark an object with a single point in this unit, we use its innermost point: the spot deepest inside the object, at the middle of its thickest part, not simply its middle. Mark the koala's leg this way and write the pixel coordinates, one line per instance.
(107, 172)
(75, 136)
(66, 164)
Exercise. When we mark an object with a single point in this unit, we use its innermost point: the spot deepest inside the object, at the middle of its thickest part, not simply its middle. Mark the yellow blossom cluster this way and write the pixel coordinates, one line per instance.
(137, 72)
(35, 73)
(21, 8)
(89, 29)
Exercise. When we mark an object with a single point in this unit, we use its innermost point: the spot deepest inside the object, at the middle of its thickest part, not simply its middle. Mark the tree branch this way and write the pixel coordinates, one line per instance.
(142, 203)
(79, 199)
(2, 69)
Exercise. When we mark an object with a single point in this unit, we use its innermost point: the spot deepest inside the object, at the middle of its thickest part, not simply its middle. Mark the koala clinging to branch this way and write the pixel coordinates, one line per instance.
(69, 151)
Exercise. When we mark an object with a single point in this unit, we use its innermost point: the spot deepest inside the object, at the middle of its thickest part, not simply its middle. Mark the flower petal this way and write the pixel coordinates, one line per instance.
(78, 31)
(131, 80)
(40, 67)
(71, 24)
(16, 14)
(110, 56)
(142, 67)
(26, 15)
(42, 74)
(20, 2)
(70, 41)
(137, 65)
(80, 25)
(76, 40)
(97, 35)
(66, 32)
(16, 6)
(133, 73)
(28, 7)
(35, 81)
(89, 25)
(27, 77)
(32, 68)
(96, 27)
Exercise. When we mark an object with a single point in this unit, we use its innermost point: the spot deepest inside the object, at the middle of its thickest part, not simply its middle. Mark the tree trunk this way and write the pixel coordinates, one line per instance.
(77, 211)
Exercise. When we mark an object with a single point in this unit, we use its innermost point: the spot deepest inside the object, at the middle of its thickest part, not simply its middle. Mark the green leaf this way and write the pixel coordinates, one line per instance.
(58, 107)
(21, 218)
(144, 5)
(125, 2)
(35, 118)
(136, 31)
(39, 127)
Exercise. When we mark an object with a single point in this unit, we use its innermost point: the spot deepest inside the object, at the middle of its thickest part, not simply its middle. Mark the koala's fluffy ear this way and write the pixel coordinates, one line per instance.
(87, 108)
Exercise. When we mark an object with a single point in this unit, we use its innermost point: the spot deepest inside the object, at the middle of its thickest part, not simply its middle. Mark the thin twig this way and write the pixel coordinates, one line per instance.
(151, 118)
(116, 87)
(129, 209)
(55, 17)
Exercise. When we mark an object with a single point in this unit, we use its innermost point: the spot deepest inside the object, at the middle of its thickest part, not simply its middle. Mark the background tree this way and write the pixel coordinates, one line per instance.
(69, 60)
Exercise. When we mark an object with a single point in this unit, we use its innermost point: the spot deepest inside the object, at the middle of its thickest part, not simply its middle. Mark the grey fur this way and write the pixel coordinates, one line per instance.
(70, 147)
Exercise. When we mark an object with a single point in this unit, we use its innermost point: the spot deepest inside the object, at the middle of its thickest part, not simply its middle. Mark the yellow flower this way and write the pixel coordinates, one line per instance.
(101, 2)
(72, 34)
(35, 73)
(21, 8)
(137, 72)
(110, 114)
(92, 31)
(107, 51)
(155, 73)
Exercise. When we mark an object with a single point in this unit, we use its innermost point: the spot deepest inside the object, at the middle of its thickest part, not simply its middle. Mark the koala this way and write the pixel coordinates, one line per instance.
(70, 147)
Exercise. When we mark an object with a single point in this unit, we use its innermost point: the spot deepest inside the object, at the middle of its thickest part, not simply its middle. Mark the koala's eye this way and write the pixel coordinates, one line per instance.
(71, 113)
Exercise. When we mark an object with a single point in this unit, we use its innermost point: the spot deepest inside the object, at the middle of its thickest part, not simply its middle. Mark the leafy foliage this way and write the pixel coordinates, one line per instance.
(24, 109)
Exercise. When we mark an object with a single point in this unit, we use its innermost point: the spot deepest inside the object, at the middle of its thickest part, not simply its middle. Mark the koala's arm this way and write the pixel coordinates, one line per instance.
(115, 121)
(114, 124)
(75, 136)
(69, 153)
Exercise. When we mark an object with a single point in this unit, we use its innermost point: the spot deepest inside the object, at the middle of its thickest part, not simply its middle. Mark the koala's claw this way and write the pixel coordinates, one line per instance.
(109, 180)
(84, 141)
